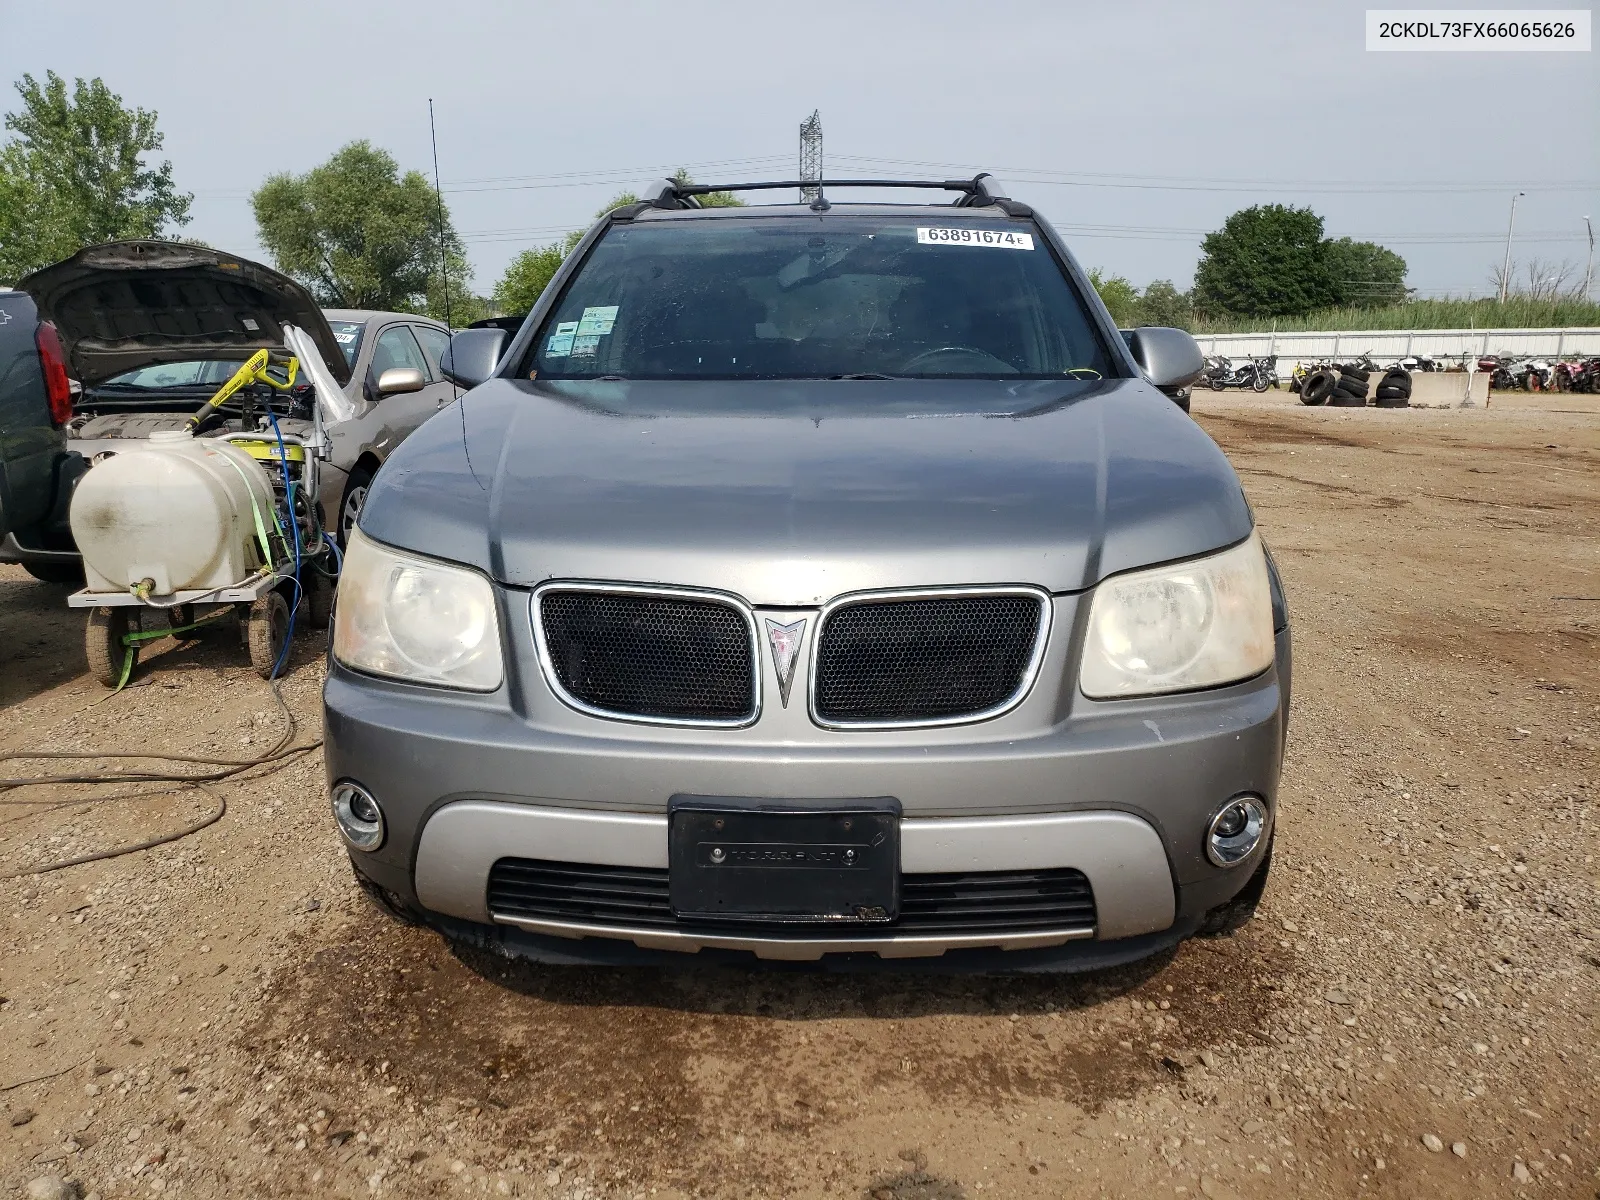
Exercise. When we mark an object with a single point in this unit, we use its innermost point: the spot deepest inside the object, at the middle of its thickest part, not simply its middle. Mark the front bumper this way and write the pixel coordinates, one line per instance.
(1121, 791)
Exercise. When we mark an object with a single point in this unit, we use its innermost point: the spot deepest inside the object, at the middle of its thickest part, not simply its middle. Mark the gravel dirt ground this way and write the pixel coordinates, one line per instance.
(1413, 1012)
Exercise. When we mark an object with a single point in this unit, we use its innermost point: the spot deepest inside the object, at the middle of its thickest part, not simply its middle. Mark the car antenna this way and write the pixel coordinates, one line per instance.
(438, 195)
(444, 258)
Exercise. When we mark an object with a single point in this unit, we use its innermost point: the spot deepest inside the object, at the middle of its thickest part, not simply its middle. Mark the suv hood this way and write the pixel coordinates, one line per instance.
(852, 485)
(125, 305)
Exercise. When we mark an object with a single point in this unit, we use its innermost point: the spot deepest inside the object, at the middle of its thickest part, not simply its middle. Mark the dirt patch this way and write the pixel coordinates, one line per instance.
(1425, 961)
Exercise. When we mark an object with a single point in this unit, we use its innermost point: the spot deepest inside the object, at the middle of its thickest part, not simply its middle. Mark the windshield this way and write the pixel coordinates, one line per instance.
(820, 297)
(348, 335)
(200, 373)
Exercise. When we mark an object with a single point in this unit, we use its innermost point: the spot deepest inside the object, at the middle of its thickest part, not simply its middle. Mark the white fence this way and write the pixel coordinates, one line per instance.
(1386, 345)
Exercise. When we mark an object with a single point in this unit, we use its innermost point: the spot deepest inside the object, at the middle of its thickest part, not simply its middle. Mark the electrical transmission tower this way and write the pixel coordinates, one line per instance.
(811, 154)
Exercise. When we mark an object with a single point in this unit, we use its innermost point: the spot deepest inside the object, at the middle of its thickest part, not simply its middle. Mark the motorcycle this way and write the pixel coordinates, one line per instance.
(1420, 362)
(1257, 374)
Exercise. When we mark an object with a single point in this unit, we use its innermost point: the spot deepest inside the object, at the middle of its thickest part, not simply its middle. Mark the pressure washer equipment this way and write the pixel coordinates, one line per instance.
(201, 526)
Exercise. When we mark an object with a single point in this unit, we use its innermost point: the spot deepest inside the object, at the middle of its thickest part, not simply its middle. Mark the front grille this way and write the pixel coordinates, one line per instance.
(925, 659)
(956, 903)
(650, 656)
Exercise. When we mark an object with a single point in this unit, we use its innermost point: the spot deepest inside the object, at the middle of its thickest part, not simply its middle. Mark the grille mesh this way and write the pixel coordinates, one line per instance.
(924, 659)
(967, 902)
(651, 656)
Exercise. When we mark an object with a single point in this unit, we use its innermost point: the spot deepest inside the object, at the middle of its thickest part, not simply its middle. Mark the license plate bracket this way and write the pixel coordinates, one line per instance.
(734, 858)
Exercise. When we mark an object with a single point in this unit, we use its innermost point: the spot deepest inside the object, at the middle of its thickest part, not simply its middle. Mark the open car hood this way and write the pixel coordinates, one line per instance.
(125, 305)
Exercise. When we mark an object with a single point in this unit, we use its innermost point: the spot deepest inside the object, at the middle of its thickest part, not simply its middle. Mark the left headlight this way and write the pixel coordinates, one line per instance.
(416, 619)
(1188, 625)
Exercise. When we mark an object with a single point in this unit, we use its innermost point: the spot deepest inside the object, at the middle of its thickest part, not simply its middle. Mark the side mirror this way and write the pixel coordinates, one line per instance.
(472, 356)
(397, 381)
(1169, 358)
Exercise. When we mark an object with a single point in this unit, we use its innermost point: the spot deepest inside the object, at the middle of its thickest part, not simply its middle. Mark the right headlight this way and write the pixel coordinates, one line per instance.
(416, 619)
(1189, 625)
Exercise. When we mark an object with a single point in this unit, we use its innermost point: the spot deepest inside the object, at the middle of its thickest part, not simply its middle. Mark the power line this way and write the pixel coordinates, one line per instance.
(1050, 177)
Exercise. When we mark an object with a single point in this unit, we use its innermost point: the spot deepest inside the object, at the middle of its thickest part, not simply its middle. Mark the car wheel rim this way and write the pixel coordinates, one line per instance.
(352, 510)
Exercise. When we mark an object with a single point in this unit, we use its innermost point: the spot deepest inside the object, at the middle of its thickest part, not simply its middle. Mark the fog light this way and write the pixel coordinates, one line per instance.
(1236, 830)
(359, 817)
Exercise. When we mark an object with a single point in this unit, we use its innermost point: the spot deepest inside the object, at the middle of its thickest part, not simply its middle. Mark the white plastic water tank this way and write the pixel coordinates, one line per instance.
(174, 509)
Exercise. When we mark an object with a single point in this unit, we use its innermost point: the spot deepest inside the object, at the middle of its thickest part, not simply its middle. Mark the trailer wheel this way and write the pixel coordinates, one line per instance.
(266, 628)
(103, 645)
(319, 597)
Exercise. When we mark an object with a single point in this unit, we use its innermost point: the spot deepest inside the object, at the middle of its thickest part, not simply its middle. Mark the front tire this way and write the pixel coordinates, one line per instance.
(1228, 918)
(56, 572)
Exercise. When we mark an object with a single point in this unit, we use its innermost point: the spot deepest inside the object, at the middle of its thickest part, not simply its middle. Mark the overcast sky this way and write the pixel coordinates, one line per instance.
(1134, 127)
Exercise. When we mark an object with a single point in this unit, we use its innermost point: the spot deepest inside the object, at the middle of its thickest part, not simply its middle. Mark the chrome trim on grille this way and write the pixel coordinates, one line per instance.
(852, 599)
(547, 668)
(803, 949)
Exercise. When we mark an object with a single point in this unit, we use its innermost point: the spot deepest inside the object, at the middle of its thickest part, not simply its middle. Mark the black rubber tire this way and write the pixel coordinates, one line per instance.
(385, 901)
(1355, 373)
(180, 615)
(1262, 382)
(1393, 393)
(1396, 377)
(56, 572)
(355, 495)
(266, 628)
(1392, 401)
(102, 644)
(1318, 387)
(1229, 918)
(319, 598)
(1343, 399)
(1352, 388)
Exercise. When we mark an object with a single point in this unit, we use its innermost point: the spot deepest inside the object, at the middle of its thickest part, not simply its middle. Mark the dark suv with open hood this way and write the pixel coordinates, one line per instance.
(153, 329)
(820, 581)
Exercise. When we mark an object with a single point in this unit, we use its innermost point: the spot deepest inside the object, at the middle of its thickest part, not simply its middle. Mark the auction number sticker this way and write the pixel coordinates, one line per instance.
(1001, 239)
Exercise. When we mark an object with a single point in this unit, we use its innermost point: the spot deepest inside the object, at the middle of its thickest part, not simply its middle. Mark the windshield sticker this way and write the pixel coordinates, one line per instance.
(1000, 239)
(585, 345)
(597, 321)
(560, 343)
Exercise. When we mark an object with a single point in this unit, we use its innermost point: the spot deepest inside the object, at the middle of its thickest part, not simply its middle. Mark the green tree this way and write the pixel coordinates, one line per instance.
(1266, 261)
(75, 174)
(359, 234)
(1365, 273)
(531, 271)
(1163, 304)
(1120, 297)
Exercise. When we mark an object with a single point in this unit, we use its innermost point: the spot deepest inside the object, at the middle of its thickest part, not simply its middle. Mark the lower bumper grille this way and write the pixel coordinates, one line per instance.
(955, 903)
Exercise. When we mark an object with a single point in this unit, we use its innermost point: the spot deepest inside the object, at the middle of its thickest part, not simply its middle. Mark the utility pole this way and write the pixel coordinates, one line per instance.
(811, 154)
(1505, 271)
(1588, 273)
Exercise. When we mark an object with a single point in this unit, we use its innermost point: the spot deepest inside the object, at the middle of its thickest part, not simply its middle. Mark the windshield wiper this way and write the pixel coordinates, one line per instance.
(864, 375)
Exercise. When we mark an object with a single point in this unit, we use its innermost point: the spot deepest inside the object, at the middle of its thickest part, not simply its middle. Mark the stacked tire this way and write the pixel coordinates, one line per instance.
(1351, 390)
(1394, 389)
(1319, 386)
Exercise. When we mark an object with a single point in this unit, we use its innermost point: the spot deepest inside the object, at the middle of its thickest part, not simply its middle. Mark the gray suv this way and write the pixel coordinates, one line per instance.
(823, 581)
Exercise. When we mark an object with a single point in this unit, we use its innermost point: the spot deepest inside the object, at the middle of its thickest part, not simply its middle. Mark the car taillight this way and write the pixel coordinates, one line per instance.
(54, 362)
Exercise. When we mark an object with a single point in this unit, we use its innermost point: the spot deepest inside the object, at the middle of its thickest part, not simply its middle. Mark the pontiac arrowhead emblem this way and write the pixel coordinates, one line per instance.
(785, 641)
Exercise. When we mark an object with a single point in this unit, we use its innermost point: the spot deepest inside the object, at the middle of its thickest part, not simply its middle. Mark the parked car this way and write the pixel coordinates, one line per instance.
(817, 581)
(154, 381)
(36, 468)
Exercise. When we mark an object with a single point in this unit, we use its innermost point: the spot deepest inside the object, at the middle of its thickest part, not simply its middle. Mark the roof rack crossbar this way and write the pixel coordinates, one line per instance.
(969, 186)
(981, 189)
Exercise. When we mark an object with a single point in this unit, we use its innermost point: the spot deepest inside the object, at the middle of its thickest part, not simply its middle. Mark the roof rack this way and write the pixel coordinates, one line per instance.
(982, 189)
